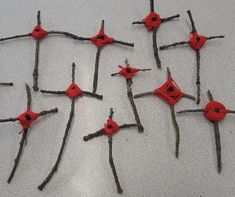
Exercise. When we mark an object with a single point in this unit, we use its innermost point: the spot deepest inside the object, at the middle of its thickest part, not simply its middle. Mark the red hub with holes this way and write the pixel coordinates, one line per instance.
(101, 39)
(27, 118)
(128, 71)
(169, 92)
(73, 91)
(111, 127)
(215, 111)
(152, 20)
(38, 32)
(196, 41)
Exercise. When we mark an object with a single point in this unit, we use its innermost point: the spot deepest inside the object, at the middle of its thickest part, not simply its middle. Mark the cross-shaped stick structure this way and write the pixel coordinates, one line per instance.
(128, 72)
(101, 40)
(196, 42)
(25, 119)
(38, 34)
(110, 128)
(171, 94)
(153, 22)
(214, 112)
(73, 92)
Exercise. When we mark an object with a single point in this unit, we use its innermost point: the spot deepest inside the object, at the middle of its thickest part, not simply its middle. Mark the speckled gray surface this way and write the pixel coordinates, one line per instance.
(145, 162)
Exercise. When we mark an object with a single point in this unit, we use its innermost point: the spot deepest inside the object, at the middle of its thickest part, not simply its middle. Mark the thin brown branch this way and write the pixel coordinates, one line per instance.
(192, 22)
(96, 72)
(138, 22)
(190, 110)
(67, 34)
(52, 92)
(124, 43)
(169, 18)
(6, 84)
(15, 37)
(177, 131)
(17, 159)
(119, 189)
(173, 45)
(214, 37)
(218, 146)
(131, 99)
(45, 112)
(35, 71)
(198, 83)
(127, 126)
(29, 98)
(189, 97)
(143, 94)
(54, 169)
(86, 93)
(93, 135)
(155, 48)
(9, 120)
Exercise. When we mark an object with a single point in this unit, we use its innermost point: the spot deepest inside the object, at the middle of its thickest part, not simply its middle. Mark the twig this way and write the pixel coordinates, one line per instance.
(9, 120)
(177, 131)
(39, 17)
(95, 80)
(29, 99)
(15, 37)
(67, 34)
(86, 93)
(189, 97)
(169, 18)
(190, 110)
(127, 126)
(173, 45)
(6, 84)
(17, 159)
(124, 43)
(119, 189)
(138, 22)
(152, 5)
(143, 94)
(93, 135)
(73, 72)
(52, 92)
(218, 146)
(214, 37)
(111, 113)
(155, 48)
(192, 22)
(35, 71)
(210, 97)
(42, 113)
(131, 99)
(54, 169)
(198, 76)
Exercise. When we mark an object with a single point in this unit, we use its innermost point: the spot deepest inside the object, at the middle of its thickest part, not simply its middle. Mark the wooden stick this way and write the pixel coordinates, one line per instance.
(210, 97)
(6, 84)
(9, 120)
(152, 5)
(111, 113)
(155, 48)
(218, 146)
(17, 159)
(86, 93)
(177, 131)
(45, 112)
(189, 97)
(173, 45)
(131, 99)
(119, 189)
(190, 110)
(93, 135)
(214, 37)
(15, 37)
(124, 43)
(35, 71)
(138, 22)
(54, 169)
(52, 92)
(67, 34)
(96, 73)
(192, 22)
(143, 94)
(29, 98)
(169, 18)
(198, 83)
(127, 126)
